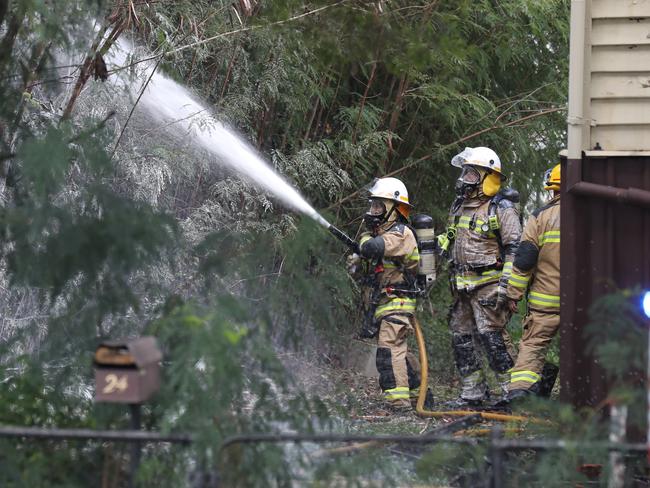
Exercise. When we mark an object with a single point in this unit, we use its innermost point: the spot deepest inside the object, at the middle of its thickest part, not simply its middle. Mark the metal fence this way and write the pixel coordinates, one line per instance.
(495, 445)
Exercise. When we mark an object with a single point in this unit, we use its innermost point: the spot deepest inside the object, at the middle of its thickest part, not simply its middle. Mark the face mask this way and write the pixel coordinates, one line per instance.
(376, 214)
(468, 181)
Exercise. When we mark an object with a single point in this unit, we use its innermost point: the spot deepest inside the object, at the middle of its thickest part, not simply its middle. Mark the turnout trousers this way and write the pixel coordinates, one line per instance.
(474, 315)
(399, 376)
(539, 329)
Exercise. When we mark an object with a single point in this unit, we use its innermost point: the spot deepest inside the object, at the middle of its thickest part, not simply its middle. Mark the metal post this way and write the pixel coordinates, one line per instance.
(496, 457)
(618, 424)
(136, 447)
(645, 306)
(647, 439)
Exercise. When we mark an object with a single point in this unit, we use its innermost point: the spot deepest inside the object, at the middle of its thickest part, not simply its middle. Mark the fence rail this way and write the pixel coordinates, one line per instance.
(495, 444)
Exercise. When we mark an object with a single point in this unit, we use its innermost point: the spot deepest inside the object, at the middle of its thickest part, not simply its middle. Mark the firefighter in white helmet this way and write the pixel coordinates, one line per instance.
(390, 253)
(480, 242)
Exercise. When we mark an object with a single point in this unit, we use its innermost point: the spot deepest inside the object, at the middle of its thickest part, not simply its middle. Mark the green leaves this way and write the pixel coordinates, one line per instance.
(45, 163)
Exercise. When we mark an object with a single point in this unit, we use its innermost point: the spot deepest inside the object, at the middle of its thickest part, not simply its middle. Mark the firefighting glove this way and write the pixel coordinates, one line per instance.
(442, 245)
(502, 298)
(353, 263)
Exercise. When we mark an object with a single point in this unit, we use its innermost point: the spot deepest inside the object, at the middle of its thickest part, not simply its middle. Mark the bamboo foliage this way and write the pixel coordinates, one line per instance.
(115, 226)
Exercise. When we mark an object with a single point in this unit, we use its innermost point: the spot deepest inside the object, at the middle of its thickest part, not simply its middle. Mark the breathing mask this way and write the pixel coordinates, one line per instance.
(377, 213)
(468, 181)
(474, 181)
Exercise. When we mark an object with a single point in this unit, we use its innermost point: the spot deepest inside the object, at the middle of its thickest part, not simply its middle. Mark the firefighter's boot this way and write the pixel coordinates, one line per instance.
(474, 392)
(428, 399)
(549, 375)
(503, 380)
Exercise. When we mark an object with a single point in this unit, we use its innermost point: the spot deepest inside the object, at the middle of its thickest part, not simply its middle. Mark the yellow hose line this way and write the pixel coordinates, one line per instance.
(485, 432)
(424, 377)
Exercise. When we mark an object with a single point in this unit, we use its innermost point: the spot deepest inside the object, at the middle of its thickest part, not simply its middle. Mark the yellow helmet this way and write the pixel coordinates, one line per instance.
(552, 178)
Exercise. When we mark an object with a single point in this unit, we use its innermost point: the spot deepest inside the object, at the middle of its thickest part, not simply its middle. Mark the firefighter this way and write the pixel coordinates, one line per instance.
(480, 243)
(390, 252)
(537, 270)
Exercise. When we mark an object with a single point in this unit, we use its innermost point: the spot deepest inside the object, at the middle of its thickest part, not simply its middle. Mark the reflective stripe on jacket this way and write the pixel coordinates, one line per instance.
(475, 251)
(537, 265)
(400, 262)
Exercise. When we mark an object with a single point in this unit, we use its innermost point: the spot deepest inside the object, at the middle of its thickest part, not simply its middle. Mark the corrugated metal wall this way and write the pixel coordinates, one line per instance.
(605, 242)
(605, 246)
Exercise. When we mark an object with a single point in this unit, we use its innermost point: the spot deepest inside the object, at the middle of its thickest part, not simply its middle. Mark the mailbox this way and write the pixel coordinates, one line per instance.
(127, 371)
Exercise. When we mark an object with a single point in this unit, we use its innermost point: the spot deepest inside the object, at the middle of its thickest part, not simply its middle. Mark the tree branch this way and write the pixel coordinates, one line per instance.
(458, 141)
(229, 33)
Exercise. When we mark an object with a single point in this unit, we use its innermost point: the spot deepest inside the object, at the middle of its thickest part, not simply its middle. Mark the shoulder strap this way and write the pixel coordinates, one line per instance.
(507, 198)
(545, 207)
(493, 220)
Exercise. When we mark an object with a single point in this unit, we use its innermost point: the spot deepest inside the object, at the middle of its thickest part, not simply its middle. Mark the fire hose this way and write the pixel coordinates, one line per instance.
(424, 376)
(420, 410)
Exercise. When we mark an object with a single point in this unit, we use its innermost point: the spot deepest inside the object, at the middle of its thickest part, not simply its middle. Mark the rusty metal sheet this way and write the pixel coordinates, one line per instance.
(604, 247)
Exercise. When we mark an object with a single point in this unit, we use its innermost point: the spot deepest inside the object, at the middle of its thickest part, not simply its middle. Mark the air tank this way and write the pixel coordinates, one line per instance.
(424, 232)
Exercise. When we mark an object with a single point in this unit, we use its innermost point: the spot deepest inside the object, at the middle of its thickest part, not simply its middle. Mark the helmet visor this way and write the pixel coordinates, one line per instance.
(470, 175)
(372, 186)
(377, 207)
(461, 158)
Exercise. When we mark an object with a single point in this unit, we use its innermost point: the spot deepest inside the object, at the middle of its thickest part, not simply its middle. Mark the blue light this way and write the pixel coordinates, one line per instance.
(646, 304)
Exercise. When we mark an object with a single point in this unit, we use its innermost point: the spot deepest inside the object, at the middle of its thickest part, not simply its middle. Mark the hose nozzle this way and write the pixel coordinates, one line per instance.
(344, 238)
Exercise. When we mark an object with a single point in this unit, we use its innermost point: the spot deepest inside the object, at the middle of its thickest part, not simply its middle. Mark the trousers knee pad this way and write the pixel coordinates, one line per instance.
(413, 375)
(464, 354)
(497, 352)
(384, 362)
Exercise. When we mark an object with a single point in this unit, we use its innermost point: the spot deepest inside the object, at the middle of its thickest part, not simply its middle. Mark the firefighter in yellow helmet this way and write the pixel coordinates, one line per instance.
(481, 240)
(536, 271)
(391, 256)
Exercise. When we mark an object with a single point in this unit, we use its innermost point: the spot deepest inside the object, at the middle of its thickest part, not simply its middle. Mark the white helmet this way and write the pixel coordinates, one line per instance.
(390, 189)
(483, 157)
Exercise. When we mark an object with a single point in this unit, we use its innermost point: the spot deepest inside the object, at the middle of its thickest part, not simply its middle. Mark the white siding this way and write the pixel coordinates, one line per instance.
(616, 93)
(620, 111)
(619, 9)
(620, 58)
(617, 32)
(620, 85)
(621, 137)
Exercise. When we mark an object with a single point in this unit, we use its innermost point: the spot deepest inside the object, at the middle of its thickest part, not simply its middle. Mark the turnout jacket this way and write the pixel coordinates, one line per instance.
(476, 254)
(394, 249)
(537, 262)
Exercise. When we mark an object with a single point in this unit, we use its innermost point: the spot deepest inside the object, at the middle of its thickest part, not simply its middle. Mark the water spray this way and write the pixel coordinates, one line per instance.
(173, 104)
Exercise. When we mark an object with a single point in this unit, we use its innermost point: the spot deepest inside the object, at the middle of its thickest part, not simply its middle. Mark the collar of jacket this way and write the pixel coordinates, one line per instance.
(475, 202)
(385, 227)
